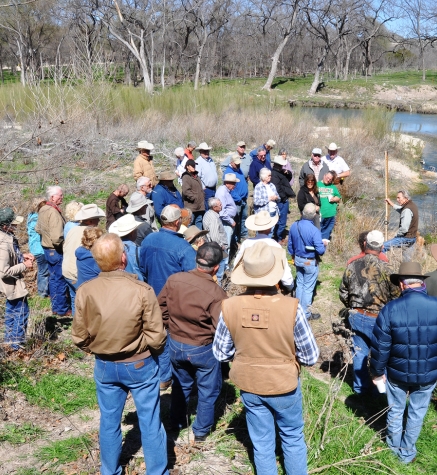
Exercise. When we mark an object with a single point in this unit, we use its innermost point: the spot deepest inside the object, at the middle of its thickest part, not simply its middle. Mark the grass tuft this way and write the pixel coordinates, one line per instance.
(64, 451)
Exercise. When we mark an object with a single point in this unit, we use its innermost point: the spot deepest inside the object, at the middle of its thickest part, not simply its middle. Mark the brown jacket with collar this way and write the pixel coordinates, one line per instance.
(11, 278)
(190, 303)
(144, 167)
(50, 225)
(192, 192)
(117, 317)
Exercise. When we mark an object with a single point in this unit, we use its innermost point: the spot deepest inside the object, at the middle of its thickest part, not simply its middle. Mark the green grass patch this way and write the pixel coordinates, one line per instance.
(64, 451)
(19, 434)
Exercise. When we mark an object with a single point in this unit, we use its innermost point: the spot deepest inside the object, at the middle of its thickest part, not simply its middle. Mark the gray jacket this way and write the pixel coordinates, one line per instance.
(306, 170)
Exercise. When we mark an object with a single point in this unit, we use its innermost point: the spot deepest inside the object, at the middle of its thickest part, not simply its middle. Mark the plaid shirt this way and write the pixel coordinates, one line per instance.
(261, 198)
(307, 351)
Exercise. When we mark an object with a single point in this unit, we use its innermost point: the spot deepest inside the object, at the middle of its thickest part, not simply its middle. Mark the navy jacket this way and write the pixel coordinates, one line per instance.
(404, 340)
(254, 169)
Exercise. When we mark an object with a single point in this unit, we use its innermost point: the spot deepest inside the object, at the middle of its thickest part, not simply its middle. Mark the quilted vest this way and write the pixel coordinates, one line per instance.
(261, 323)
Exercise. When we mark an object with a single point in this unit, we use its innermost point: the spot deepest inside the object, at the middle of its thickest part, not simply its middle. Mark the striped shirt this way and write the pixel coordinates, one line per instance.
(213, 224)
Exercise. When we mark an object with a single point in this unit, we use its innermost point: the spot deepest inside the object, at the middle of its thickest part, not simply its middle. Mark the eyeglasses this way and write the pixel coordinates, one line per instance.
(316, 155)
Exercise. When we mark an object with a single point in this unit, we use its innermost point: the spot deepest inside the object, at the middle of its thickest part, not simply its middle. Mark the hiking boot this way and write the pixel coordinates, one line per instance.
(314, 316)
(200, 438)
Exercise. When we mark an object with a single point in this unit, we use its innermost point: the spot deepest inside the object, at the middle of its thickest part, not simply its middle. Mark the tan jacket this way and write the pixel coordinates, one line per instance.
(50, 225)
(262, 328)
(144, 167)
(71, 243)
(117, 316)
(11, 279)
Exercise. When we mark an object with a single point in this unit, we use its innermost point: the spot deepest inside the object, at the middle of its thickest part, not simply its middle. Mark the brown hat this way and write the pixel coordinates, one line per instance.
(408, 270)
(260, 266)
(167, 176)
(193, 232)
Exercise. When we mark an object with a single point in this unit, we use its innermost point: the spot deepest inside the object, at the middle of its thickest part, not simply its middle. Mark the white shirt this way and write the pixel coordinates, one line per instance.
(337, 164)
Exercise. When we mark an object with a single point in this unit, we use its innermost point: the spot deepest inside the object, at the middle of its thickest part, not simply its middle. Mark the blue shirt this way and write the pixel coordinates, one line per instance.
(207, 172)
(87, 267)
(240, 192)
(133, 258)
(229, 209)
(246, 160)
(311, 236)
(163, 196)
(255, 168)
(164, 253)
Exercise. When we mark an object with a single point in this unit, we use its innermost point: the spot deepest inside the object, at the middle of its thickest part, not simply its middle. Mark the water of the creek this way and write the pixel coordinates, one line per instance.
(423, 126)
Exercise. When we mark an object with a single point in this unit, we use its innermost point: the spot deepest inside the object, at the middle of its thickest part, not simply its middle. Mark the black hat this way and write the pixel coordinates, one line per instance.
(191, 162)
(209, 254)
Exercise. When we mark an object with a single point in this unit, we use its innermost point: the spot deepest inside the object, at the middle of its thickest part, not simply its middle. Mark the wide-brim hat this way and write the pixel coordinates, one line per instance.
(203, 146)
(260, 266)
(136, 202)
(193, 232)
(261, 221)
(408, 270)
(167, 176)
(124, 225)
(279, 160)
(231, 178)
(91, 211)
(144, 145)
(333, 146)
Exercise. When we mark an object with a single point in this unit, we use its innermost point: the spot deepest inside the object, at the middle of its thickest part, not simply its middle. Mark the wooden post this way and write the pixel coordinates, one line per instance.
(386, 196)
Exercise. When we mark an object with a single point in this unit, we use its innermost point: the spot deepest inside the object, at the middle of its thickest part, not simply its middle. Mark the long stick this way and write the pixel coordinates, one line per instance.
(386, 195)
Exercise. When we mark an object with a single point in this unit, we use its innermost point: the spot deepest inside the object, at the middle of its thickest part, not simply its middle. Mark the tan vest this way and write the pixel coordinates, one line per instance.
(261, 324)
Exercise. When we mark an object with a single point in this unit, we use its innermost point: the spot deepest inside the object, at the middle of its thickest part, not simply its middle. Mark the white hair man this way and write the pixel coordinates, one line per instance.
(50, 225)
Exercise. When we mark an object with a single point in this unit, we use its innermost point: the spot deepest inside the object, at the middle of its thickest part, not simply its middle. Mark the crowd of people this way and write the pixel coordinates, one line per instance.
(148, 301)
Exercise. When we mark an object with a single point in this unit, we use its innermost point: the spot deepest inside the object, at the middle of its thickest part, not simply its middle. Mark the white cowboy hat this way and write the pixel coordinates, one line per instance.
(203, 146)
(332, 146)
(231, 178)
(136, 202)
(261, 266)
(90, 211)
(279, 160)
(144, 145)
(261, 221)
(124, 225)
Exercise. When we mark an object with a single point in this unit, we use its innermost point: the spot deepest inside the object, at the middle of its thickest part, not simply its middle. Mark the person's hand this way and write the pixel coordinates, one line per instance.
(28, 260)
(389, 201)
(233, 224)
(317, 209)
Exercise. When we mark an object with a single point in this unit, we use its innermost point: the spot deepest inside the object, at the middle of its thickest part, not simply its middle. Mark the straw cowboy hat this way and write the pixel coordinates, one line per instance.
(203, 146)
(231, 178)
(124, 225)
(261, 266)
(279, 160)
(144, 145)
(408, 270)
(193, 232)
(333, 146)
(261, 221)
(167, 176)
(137, 202)
(90, 211)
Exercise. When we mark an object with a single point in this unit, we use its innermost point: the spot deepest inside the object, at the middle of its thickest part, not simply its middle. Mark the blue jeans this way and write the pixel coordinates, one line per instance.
(403, 442)
(221, 270)
(244, 233)
(113, 383)
(57, 283)
(16, 317)
(398, 242)
(362, 326)
(164, 364)
(209, 193)
(307, 271)
(282, 222)
(197, 219)
(261, 414)
(326, 227)
(190, 364)
(42, 275)
(229, 230)
(72, 290)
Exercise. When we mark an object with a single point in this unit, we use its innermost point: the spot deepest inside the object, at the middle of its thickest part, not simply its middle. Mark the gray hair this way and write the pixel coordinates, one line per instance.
(179, 152)
(412, 281)
(191, 143)
(142, 180)
(213, 202)
(264, 172)
(372, 248)
(52, 190)
(309, 211)
(405, 194)
(282, 151)
(260, 149)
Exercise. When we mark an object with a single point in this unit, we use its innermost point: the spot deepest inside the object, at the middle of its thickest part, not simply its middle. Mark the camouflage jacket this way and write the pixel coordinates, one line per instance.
(366, 284)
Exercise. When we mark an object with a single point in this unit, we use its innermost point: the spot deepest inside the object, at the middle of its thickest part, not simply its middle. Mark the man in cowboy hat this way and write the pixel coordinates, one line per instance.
(163, 254)
(126, 229)
(13, 264)
(404, 355)
(116, 204)
(207, 171)
(144, 187)
(267, 338)
(364, 290)
(306, 246)
(285, 192)
(228, 213)
(165, 192)
(88, 215)
(138, 205)
(195, 236)
(50, 225)
(190, 304)
(143, 165)
(336, 163)
(263, 224)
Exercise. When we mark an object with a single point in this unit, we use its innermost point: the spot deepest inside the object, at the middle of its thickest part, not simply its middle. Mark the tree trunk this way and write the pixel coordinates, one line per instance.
(268, 85)
(315, 84)
(198, 61)
(22, 65)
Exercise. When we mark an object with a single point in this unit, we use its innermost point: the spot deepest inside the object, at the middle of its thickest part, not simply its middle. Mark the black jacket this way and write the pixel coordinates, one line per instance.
(304, 197)
(282, 185)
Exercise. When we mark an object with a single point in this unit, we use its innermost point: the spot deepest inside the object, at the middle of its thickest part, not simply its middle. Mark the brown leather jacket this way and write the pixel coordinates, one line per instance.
(117, 316)
(192, 192)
